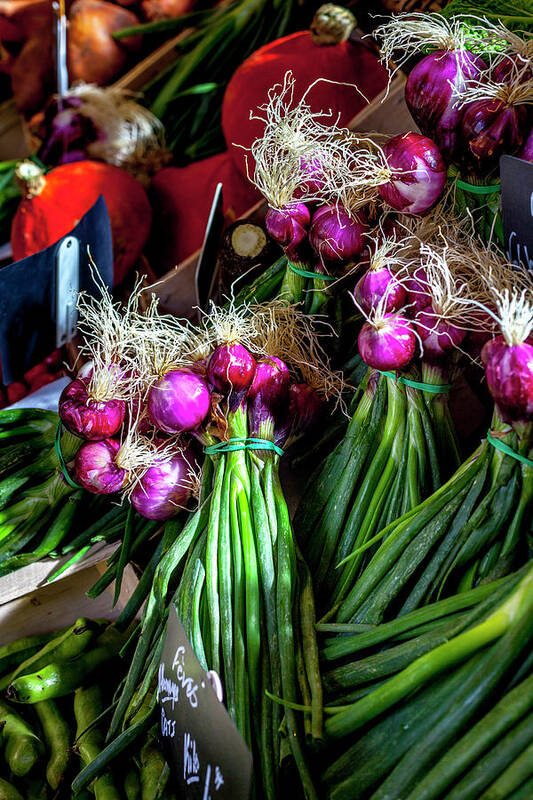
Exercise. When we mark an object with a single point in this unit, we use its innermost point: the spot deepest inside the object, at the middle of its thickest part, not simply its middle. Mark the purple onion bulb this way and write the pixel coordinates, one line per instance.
(388, 345)
(490, 129)
(179, 401)
(90, 419)
(96, 469)
(376, 284)
(231, 367)
(509, 371)
(432, 90)
(439, 336)
(164, 488)
(288, 226)
(418, 174)
(305, 406)
(336, 236)
(527, 150)
(418, 296)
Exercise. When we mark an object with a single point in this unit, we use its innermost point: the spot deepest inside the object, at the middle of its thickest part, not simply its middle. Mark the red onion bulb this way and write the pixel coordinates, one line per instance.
(96, 469)
(489, 129)
(419, 174)
(432, 90)
(179, 401)
(90, 419)
(288, 226)
(527, 150)
(439, 336)
(388, 345)
(377, 284)
(509, 371)
(335, 235)
(231, 366)
(164, 488)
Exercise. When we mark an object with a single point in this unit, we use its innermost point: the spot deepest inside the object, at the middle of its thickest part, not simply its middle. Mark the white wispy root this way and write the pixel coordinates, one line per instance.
(406, 35)
(300, 148)
(131, 136)
(515, 91)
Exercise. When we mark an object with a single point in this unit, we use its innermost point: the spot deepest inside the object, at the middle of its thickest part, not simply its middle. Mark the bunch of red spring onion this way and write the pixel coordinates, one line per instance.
(475, 526)
(470, 93)
(400, 443)
(234, 574)
(325, 187)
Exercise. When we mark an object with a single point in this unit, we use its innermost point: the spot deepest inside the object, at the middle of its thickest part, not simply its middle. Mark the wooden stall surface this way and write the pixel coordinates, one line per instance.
(60, 603)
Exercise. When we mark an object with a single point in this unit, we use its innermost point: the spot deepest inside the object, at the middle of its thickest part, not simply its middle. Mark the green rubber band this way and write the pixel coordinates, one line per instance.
(424, 387)
(59, 454)
(305, 273)
(240, 443)
(474, 189)
(499, 445)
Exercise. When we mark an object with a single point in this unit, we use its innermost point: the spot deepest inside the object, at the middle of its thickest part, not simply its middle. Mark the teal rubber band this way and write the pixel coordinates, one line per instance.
(499, 445)
(240, 443)
(59, 454)
(474, 189)
(431, 388)
(305, 273)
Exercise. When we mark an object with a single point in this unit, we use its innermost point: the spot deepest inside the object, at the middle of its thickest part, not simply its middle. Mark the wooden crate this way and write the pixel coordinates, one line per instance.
(60, 603)
(34, 577)
(387, 113)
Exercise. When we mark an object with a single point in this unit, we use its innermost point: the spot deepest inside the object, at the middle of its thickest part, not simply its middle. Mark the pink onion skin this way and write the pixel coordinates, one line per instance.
(511, 69)
(271, 380)
(391, 346)
(419, 174)
(335, 236)
(231, 366)
(417, 293)
(527, 150)
(438, 336)
(432, 90)
(370, 289)
(164, 488)
(179, 401)
(288, 226)
(490, 129)
(305, 406)
(96, 469)
(509, 371)
(92, 420)
(313, 183)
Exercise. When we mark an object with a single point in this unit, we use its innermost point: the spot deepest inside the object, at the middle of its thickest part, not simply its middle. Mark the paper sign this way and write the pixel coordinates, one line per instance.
(517, 209)
(208, 756)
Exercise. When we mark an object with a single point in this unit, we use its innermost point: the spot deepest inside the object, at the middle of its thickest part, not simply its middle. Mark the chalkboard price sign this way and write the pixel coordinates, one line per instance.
(208, 756)
(517, 209)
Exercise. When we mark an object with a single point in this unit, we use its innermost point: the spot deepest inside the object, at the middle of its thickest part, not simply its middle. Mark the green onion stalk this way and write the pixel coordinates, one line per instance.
(235, 576)
(187, 94)
(436, 702)
(480, 199)
(476, 526)
(399, 445)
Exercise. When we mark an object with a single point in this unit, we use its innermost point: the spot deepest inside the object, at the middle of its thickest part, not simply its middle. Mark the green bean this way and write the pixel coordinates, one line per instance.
(108, 754)
(22, 649)
(88, 706)
(22, 747)
(132, 783)
(63, 646)
(57, 739)
(60, 678)
(152, 766)
(8, 791)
